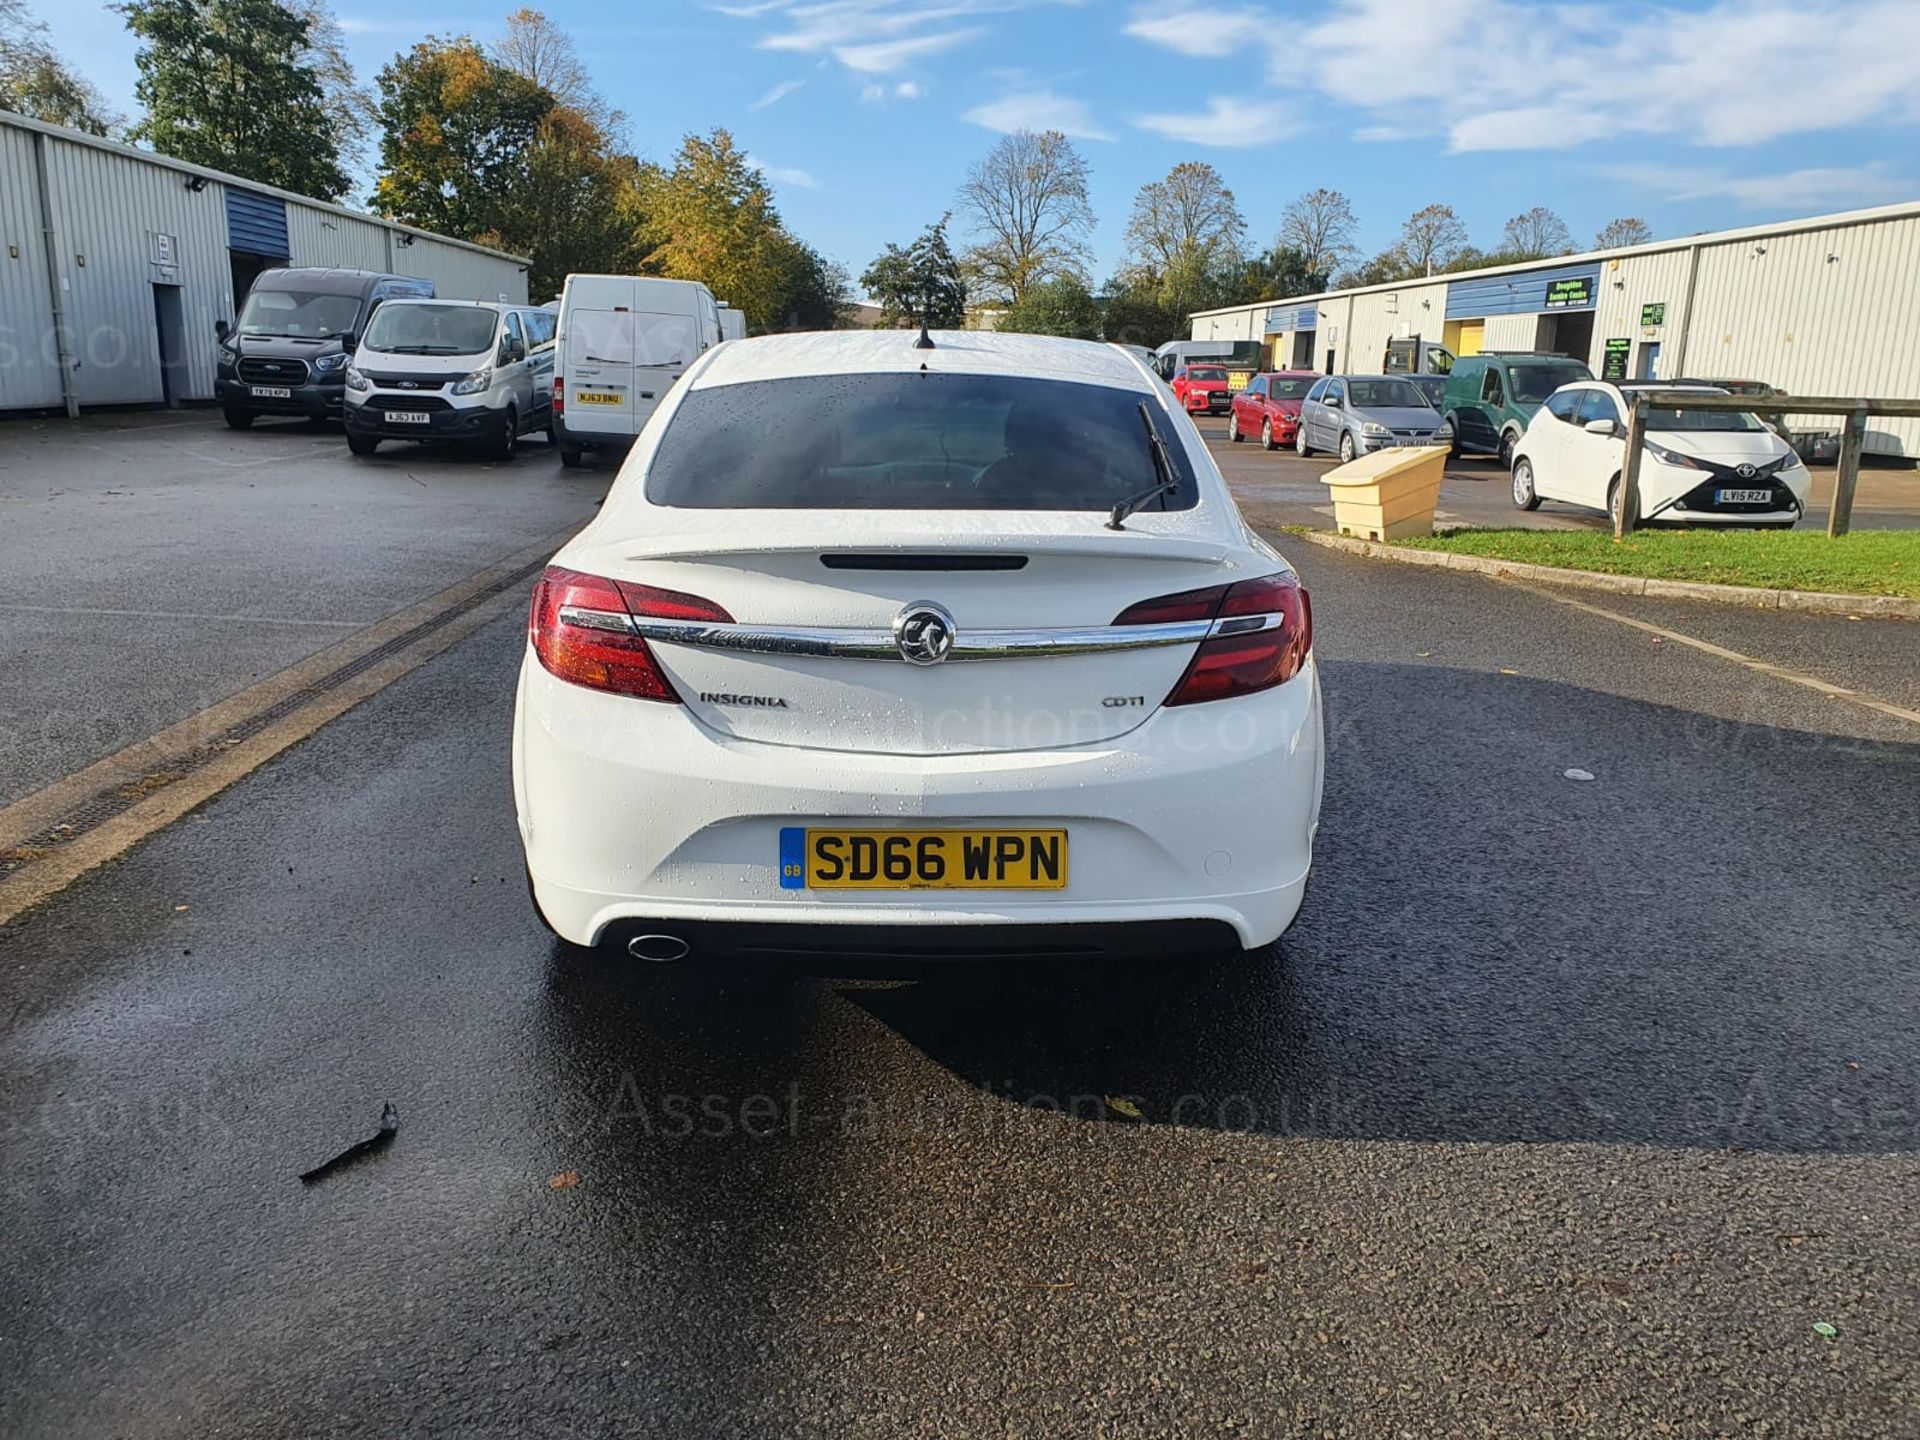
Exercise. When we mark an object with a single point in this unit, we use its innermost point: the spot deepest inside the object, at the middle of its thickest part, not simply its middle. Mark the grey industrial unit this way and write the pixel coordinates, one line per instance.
(1829, 305)
(117, 262)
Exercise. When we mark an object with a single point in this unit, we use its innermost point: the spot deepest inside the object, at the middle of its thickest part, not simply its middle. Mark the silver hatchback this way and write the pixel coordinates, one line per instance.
(1352, 414)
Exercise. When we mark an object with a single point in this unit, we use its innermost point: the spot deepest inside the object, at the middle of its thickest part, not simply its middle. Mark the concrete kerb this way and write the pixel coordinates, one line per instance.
(1751, 596)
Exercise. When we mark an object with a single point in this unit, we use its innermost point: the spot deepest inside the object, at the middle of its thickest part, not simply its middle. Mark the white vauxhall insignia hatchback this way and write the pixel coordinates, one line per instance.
(877, 649)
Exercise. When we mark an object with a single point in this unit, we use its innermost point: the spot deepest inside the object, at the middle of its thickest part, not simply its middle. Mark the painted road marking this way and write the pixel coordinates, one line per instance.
(52, 837)
(1761, 667)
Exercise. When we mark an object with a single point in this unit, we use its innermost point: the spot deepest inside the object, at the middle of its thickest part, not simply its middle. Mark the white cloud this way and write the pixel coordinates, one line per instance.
(1209, 33)
(1809, 189)
(1225, 121)
(1038, 110)
(776, 94)
(910, 90)
(1736, 73)
(784, 174)
(873, 37)
(881, 57)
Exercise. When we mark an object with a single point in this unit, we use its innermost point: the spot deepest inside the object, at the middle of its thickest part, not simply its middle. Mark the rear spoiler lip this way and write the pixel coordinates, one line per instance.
(1139, 545)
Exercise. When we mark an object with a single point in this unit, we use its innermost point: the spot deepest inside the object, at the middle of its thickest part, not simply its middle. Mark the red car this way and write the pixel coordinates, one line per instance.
(1270, 407)
(1202, 388)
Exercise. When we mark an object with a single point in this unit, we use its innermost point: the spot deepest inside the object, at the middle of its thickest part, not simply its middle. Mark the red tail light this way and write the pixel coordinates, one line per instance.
(559, 396)
(591, 644)
(1269, 652)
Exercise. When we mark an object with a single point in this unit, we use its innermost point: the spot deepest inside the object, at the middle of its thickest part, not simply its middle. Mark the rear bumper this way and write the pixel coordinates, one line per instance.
(476, 422)
(632, 811)
(588, 439)
(709, 941)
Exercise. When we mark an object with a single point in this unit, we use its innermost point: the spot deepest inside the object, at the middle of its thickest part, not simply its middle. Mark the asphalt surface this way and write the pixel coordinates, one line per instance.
(1281, 488)
(1566, 1108)
(156, 563)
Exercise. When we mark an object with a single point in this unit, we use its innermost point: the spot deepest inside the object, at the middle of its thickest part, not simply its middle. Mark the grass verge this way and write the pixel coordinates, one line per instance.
(1868, 562)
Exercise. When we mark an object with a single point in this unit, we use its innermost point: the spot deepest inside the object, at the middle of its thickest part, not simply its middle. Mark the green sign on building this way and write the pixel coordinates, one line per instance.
(1577, 291)
(1613, 363)
(1654, 314)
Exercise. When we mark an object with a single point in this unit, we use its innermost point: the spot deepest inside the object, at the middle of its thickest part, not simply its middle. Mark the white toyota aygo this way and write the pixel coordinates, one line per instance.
(882, 647)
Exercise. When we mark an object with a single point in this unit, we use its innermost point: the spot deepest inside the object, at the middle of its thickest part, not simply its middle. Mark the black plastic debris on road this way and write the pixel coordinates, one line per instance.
(379, 1140)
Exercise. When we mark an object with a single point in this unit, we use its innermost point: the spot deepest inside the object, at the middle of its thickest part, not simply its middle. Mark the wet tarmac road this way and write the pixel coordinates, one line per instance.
(1565, 1108)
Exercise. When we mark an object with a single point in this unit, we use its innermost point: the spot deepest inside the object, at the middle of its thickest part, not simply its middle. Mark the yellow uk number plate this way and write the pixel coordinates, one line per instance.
(922, 859)
(594, 397)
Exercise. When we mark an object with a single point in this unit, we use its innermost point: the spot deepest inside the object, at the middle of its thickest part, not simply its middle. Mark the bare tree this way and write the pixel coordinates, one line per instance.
(1186, 222)
(1320, 225)
(1537, 232)
(355, 113)
(1027, 205)
(540, 50)
(1627, 230)
(1430, 238)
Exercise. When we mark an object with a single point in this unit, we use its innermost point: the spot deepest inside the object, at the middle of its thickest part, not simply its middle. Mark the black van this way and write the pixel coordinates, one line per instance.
(289, 353)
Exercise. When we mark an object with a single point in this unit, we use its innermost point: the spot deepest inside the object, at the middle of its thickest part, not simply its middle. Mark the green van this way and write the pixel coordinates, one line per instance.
(1490, 397)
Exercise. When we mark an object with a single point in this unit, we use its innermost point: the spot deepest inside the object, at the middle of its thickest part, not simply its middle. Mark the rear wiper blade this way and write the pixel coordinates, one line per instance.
(1166, 485)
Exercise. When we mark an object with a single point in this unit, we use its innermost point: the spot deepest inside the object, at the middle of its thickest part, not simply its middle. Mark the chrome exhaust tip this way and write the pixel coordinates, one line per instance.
(659, 949)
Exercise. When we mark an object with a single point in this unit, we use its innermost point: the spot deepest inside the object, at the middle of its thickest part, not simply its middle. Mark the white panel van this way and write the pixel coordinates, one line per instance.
(624, 340)
(733, 323)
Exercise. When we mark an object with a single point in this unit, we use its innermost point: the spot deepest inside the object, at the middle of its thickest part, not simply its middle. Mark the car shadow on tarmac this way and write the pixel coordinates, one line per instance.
(1700, 947)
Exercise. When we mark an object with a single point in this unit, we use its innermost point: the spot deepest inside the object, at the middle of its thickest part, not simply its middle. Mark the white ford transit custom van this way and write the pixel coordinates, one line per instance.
(463, 370)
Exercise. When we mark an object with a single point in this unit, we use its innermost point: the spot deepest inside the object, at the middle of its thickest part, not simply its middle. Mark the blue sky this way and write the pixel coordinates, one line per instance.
(866, 113)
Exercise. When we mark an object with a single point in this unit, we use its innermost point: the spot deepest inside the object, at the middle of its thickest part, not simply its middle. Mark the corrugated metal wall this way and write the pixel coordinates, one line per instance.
(1417, 308)
(320, 237)
(1627, 286)
(460, 273)
(106, 207)
(29, 361)
(1814, 325)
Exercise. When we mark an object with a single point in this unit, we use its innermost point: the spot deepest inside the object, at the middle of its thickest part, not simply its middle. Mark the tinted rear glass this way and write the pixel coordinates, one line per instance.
(1533, 383)
(913, 442)
(1282, 388)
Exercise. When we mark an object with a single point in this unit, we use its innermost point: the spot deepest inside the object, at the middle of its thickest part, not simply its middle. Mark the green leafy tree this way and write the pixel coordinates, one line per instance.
(1136, 315)
(818, 293)
(227, 83)
(921, 282)
(36, 81)
(1279, 273)
(574, 207)
(711, 217)
(459, 134)
(1055, 307)
(1389, 265)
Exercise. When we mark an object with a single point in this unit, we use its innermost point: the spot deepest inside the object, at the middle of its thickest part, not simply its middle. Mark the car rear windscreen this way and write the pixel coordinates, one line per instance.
(923, 441)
